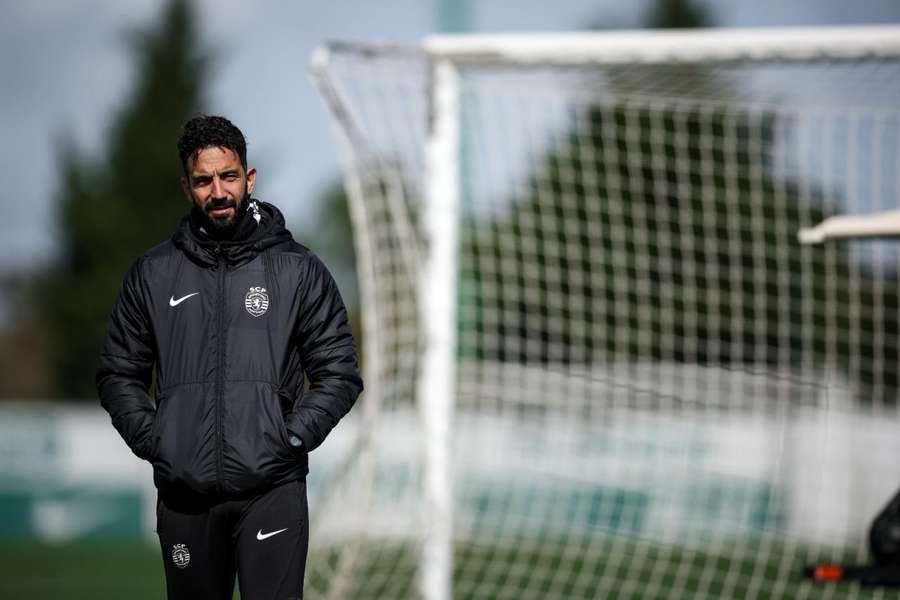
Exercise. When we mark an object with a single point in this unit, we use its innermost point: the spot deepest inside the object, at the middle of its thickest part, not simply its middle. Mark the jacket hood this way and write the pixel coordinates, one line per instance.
(269, 231)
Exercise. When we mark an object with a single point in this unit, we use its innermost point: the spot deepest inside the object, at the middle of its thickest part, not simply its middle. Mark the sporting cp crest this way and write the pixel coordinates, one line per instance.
(257, 301)
(180, 556)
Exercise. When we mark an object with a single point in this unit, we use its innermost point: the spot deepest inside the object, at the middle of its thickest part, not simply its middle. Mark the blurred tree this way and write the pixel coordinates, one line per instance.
(114, 207)
(679, 242)
(24, 370)
(678, 14)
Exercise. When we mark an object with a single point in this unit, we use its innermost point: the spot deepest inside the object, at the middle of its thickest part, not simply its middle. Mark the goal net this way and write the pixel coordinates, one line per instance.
(598, 360)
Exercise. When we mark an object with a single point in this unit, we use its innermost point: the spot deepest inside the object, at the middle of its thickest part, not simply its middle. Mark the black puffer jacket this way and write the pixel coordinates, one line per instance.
(231, 328)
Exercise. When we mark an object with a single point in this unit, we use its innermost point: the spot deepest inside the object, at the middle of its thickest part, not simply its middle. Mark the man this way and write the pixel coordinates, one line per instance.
(231, 314)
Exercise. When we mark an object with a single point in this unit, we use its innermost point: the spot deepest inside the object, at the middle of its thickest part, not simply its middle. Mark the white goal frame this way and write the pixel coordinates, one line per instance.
(447, 54)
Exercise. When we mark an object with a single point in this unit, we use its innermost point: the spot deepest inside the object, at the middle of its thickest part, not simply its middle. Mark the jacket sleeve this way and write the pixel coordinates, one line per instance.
(328, 353)
(126, 367)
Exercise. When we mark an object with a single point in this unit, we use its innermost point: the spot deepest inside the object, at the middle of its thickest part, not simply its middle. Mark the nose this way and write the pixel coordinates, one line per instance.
(218, 189)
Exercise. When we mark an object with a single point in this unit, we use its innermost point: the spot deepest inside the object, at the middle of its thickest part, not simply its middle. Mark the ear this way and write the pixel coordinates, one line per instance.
(251, 179)
(186, 188)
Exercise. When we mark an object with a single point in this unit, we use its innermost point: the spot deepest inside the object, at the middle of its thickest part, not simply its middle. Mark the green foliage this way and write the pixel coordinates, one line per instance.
(113, 208)
(678, 14)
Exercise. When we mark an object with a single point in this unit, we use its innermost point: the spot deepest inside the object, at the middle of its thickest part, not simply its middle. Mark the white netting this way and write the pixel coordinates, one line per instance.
(660, 393)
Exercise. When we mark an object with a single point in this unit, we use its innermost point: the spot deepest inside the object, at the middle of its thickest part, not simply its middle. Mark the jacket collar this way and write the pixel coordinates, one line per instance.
(267, 231)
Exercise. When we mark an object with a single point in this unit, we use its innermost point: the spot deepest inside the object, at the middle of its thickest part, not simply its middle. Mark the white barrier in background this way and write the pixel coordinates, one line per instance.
(65, 474)
(829, 472)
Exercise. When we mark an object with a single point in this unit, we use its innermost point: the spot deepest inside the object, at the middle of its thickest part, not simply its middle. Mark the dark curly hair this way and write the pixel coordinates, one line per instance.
(204, 131)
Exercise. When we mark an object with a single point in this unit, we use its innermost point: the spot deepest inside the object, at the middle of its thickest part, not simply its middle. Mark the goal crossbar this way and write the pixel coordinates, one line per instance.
(643, 46)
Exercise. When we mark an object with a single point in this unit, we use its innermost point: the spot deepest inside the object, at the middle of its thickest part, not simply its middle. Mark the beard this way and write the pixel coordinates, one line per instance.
(224, 227)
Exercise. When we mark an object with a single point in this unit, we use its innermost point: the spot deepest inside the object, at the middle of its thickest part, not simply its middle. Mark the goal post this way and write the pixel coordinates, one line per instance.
(603, 356)
(438, 292)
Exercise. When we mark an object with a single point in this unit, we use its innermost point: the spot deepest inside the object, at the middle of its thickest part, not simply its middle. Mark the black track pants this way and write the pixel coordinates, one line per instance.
(263, 540)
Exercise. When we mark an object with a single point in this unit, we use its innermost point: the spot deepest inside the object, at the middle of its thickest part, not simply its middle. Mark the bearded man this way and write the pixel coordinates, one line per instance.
(245, 337)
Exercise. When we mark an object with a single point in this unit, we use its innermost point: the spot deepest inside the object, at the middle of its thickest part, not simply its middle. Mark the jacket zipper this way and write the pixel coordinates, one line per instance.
(220, 373)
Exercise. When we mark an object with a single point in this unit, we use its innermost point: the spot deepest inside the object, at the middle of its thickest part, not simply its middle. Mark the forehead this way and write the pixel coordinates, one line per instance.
(213, 159)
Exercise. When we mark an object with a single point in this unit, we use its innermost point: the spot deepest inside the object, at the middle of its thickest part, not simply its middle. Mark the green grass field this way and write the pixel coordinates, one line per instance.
(88, 571)
(607, 569)
(97, 571)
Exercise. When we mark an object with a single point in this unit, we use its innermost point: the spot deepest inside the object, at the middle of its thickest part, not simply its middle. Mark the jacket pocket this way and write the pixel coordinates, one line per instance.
(256, 453)
(184, 436)
(285, 400)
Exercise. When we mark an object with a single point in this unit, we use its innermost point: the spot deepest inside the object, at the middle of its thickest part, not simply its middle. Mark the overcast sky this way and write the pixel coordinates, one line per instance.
(66, 67)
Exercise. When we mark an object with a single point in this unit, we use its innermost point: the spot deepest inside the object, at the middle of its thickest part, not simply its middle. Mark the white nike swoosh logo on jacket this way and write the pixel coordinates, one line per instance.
(261, 536)
(174, 302)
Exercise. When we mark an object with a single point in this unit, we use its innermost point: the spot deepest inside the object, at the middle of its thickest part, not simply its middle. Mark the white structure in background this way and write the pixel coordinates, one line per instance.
(65, 474)
(821, 471)
(579, 269)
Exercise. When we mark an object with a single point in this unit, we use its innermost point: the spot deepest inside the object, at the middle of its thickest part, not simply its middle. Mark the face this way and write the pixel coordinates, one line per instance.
(218, 185)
